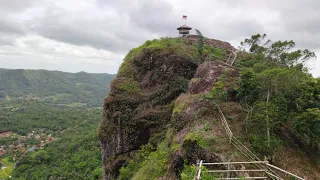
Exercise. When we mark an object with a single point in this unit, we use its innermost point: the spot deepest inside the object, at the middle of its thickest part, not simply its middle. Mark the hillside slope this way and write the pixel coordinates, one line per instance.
(161, 115)
(56, 114)
(75, 89)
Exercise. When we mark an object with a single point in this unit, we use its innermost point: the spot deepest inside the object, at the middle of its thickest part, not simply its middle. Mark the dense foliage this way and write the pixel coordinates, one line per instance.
(76, 155)
(26, 116)
(274, 88)
(55, 87)
(54, 112)
(279, 94)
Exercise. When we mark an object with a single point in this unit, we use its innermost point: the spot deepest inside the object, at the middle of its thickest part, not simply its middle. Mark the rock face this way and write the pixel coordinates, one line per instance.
(166, 93)
(194, 107)
(207, 76)
(138, 106)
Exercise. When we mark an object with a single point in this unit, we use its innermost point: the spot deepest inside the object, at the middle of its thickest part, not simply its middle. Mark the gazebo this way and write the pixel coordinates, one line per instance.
(184, 30)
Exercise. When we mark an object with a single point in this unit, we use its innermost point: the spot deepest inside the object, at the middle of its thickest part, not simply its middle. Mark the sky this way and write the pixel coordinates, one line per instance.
(94, 35)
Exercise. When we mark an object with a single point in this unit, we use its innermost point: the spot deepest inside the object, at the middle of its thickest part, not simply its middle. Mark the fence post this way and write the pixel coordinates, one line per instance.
(265, 170)
(199, 171)
(196, 171)
(228, 173)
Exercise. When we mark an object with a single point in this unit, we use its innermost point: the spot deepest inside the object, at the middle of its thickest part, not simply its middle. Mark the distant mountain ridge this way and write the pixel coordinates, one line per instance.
(55, 87)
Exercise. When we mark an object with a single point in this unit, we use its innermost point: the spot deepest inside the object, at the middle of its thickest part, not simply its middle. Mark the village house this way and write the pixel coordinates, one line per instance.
(49, 138)
(6, 134)
(21, 145)
(38, 137)
(30, 135)
(2, 151)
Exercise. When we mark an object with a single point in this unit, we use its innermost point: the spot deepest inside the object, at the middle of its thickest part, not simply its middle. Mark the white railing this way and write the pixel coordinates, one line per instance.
(263, 172)
(263, 166)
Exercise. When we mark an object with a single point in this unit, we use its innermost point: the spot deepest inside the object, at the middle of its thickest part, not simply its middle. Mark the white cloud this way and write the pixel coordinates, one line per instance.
(36, 49)
(94, 35)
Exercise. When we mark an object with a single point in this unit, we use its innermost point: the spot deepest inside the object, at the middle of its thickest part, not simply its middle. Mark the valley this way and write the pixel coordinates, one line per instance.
(45, 135)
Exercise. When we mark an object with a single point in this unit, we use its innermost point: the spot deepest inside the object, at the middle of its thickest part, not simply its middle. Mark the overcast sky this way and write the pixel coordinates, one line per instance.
(95, 35)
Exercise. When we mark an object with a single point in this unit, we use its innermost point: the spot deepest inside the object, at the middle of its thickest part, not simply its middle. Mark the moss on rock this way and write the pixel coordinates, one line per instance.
(138, 105)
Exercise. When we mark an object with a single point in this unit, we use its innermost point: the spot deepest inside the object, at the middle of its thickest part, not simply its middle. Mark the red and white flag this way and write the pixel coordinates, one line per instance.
(184, 17)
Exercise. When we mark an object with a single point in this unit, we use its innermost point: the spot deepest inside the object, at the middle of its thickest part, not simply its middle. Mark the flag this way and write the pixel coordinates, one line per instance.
(184, 17)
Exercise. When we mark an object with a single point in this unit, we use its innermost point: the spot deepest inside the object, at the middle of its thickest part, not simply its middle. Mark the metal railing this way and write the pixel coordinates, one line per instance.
(263, 166)
(264, 173)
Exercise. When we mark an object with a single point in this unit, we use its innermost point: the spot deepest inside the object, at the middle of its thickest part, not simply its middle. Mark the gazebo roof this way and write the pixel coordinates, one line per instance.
(184, 27)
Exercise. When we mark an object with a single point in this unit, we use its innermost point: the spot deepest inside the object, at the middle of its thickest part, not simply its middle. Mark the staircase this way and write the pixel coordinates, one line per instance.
(263, 168)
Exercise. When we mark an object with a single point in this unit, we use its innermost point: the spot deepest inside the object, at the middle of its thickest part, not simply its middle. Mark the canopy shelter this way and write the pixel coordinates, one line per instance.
(184, 30)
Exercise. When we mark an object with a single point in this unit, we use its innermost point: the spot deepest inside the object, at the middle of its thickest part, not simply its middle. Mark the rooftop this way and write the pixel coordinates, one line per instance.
(184, 27)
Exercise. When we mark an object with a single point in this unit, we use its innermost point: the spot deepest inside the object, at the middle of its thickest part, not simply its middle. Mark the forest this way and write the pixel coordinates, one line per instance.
(55, 87)
(48, 124)
(279, 94)
(74, 152)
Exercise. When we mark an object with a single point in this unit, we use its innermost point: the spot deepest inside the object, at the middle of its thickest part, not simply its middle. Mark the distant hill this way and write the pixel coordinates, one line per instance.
(54, 87)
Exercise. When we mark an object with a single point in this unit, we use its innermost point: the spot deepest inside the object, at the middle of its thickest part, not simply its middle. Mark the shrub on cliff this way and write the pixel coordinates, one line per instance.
(176, 45)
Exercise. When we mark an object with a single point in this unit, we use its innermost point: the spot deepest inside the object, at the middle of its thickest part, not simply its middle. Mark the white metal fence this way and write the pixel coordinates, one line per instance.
(267, 170)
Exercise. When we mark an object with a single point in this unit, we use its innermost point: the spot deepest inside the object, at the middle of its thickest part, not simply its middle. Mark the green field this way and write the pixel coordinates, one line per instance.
(6, 168)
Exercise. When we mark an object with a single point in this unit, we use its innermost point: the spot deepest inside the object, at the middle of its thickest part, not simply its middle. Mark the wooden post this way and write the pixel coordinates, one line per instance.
(196, 172)
(228, 173)
(199, 171)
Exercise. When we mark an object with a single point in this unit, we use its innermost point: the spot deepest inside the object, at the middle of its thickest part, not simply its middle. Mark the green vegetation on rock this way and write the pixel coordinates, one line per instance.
(268, 97)
(189, 172)
(156, 163)
(148, 163)
(201, 141)
(176, 45)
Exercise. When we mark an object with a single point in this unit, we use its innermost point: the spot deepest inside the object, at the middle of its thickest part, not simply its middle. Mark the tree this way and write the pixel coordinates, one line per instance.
(200, 44)
(249, 89)
(280, 51)
(41, 156)
(308, 123)
(272, 82)
(248, 92)
(256, 43)
(277, 67)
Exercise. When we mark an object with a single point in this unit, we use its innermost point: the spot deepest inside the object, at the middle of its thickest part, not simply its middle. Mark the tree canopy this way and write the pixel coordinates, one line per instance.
(278, 91)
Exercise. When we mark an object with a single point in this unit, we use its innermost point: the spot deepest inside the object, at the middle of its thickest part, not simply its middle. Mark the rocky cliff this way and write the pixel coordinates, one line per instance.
(160, 117)
(139, 107)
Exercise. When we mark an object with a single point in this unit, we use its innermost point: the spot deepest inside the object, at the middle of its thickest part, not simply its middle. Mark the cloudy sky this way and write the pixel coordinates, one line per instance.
(95, 35)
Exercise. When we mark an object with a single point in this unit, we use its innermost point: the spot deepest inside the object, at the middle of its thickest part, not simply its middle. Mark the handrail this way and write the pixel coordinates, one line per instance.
(246, 152)
(199, 170)
(237, 170)
(250, 162)
(242, 178)
(284, 171)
